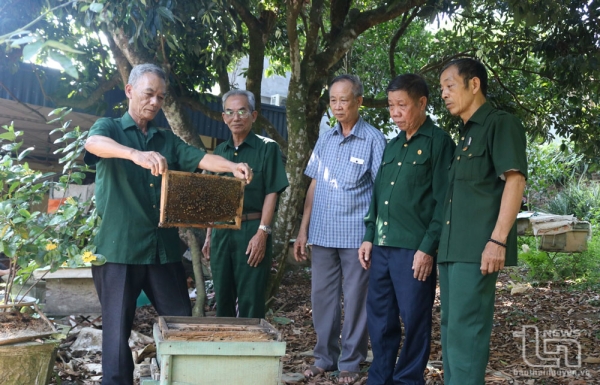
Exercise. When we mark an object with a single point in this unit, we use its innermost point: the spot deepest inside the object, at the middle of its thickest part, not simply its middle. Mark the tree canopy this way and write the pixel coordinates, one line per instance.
(542, 56)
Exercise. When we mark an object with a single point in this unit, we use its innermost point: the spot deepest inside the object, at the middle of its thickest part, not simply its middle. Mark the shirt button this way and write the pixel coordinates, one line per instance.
(385, 223)
(386, 202)
(383, 237)
(392, 183)
(415, 162)
(463, 138)
(235, 153)
(450, 201)
(458, 157)
(405, 144)
(448, 222)
(470, 155)
(153, 206)
(151, 184)
(399, 163)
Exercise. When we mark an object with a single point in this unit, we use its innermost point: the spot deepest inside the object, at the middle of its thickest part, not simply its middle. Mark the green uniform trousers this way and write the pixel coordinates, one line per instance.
(233, 277)
(467, 299)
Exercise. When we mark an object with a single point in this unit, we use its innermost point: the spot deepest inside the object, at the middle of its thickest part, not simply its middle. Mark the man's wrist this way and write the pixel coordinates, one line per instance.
(265, 229)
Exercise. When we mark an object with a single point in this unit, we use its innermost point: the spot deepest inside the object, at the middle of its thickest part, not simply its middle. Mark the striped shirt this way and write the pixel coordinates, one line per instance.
(345, 170)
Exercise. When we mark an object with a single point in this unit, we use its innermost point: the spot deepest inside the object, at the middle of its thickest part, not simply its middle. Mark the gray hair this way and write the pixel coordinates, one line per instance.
(141, 69)
(357, 87)
(249, 96)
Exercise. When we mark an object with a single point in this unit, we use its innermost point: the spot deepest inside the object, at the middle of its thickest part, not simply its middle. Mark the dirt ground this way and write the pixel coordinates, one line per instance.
(568, 321)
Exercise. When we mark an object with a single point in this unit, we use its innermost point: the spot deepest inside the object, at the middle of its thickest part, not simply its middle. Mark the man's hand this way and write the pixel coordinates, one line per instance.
(492, 258)
(422, 265)
(243, 171)
(364, 254)
(300, 246)
(151, 160)
(206, 248)
(256, 248)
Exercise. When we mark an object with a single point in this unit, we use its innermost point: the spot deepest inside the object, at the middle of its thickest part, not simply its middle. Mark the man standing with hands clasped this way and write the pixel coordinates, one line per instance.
(403, 231)
(479, 237)
(343, 166)
(131, 154)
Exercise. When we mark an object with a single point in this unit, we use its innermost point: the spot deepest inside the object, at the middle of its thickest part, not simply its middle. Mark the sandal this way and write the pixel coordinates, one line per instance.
(346, 377)
(313, 371)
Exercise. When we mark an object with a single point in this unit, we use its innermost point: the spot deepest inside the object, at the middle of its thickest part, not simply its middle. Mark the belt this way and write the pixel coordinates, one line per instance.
(251, 216)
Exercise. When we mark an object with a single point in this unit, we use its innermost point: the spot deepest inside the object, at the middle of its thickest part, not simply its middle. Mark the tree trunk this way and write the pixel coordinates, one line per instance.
(195, 249)
(301, 127)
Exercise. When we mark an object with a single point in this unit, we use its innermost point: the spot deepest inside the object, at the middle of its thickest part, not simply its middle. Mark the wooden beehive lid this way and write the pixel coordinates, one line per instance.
(217, 329)
(201, 200)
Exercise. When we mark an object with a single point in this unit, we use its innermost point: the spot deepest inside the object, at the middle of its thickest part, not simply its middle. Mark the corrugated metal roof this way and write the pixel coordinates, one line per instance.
(25, 86)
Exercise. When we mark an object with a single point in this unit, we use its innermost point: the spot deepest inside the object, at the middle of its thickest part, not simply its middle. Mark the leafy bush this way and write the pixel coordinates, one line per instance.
(552, 266)
(581, 199)
(33, 239)
(550, 165)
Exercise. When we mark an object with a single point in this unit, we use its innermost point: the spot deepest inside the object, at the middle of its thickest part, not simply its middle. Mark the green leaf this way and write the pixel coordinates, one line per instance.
(65, 63)
(70, 212)
(96, 7)
(63, 47)
(58, 111)
(24, 213)
(13, 187)
(24, 153)
(166, 13)
(22, 40)
(8, 136)
(30, 50)
(12, 146)
(282, 320)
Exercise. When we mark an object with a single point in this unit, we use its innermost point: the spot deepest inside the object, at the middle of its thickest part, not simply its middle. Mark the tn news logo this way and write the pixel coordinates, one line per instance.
(556, 347)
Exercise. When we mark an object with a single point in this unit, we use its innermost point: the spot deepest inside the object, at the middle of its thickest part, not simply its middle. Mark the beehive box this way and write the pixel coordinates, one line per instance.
(69, 291)
(217, 351)
(201, 200)
(573, 241)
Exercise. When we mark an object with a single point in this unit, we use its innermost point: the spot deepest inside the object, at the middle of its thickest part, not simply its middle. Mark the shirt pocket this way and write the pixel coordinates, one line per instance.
(353, 174)
(472, 164)
(419, 170)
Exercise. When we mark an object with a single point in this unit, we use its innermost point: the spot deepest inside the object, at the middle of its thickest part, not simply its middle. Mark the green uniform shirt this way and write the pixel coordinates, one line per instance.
(406, 209)
(491, 143)
(128, 196)
(264, 157)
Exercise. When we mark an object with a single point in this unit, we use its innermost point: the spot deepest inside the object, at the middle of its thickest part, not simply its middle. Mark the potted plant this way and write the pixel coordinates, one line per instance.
(31, 239)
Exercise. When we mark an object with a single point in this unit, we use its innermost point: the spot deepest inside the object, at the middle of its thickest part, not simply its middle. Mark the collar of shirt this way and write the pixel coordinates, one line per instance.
(357, 130)
(250, 140)
(480, 115)
(425, 129)
(127, 122)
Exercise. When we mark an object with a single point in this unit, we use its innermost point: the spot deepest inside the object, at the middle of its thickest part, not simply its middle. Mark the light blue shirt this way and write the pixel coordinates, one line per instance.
(345, 170)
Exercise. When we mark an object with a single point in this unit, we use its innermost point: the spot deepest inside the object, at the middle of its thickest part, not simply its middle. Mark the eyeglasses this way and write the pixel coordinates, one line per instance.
(240, 113)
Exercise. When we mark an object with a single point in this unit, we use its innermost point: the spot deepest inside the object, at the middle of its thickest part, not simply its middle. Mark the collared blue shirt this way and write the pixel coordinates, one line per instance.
(344, 169)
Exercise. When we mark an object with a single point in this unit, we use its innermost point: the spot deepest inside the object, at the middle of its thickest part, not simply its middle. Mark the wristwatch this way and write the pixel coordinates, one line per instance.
(265, 228)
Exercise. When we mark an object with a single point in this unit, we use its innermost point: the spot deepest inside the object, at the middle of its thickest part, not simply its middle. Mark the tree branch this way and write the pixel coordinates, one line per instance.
(43, 15)
(294, 9)
(103, 87)
(447, 59)
(196, 105)
(358, 23)
(515, 97)
(406, 20)
(123, 66)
